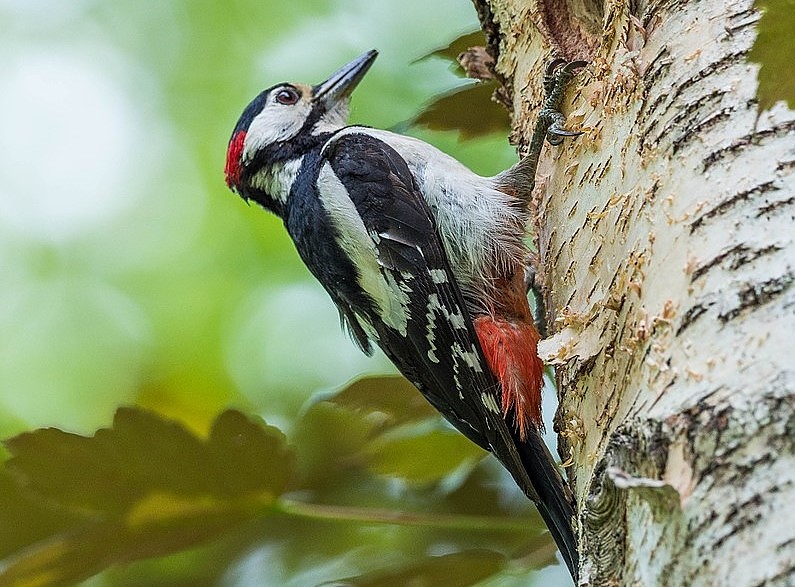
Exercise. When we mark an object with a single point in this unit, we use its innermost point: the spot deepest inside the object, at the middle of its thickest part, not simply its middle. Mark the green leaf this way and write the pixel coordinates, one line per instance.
(144, 487)
(250, 457)
(774, 50)
(388, 400)
(459, 569)
(143, 453)
(329, 435)
(423, 458)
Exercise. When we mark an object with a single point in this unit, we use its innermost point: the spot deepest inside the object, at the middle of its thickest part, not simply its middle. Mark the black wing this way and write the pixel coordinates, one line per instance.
(437, 348)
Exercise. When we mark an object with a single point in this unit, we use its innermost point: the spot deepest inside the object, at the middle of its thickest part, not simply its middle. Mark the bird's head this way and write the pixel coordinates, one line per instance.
(283, 123)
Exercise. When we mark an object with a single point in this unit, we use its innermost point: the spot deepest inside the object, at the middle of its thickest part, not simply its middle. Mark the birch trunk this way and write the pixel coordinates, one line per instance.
(665, 237)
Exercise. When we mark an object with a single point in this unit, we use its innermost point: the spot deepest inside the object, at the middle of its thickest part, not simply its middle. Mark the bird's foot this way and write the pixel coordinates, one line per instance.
(551, 121)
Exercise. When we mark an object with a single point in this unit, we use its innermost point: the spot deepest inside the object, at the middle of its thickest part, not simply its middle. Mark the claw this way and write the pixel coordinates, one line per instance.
(556, 138)
(556, 134)
(549, 74)
(562, 132)
(550, 124)
(553, 65)
(572, 65)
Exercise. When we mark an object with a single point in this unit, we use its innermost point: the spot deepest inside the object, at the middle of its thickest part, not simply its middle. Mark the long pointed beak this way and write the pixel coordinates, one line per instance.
(343, 81)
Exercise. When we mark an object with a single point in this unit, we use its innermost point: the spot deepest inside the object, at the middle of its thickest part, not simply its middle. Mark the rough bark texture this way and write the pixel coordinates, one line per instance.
(665, 237)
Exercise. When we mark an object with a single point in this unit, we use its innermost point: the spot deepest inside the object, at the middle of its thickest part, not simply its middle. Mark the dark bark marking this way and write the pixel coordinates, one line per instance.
(785, 166)
(688, 112)
(657, 66)
(741, 20)
(679, 87)
(693, 313)
(708, 122)
(758, 294)
(754, 138)
(772, 206)
(738, 255)
(785, 576)
(729, 203)
(594, 256)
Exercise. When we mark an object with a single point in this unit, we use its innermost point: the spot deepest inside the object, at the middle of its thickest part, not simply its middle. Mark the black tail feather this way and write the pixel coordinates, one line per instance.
(554, 499)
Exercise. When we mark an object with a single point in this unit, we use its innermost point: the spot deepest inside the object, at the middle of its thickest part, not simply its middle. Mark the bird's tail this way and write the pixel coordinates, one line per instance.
(552, 497)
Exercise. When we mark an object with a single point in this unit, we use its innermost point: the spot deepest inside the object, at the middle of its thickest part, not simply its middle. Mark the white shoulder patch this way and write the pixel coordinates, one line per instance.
(391, 300)
(480, 226)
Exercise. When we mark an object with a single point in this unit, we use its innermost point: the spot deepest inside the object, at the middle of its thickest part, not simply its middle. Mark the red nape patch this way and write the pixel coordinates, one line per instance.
(233, 153)
(511, 350)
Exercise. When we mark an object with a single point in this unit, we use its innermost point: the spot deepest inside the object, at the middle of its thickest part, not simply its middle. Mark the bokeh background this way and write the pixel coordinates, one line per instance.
(129, 274)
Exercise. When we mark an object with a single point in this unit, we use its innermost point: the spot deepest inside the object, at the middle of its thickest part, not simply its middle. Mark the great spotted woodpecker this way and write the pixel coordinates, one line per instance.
(421, 256)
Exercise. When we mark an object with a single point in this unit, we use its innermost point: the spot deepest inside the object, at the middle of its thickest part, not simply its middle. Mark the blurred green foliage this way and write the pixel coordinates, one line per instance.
(774, 51)
(130, 276)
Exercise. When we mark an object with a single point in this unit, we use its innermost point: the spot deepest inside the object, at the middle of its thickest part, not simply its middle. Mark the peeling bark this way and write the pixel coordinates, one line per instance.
(665, 240)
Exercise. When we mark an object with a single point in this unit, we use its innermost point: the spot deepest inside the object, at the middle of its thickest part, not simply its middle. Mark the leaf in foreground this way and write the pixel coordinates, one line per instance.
(460, 569)
(144, 487)
(774, 50)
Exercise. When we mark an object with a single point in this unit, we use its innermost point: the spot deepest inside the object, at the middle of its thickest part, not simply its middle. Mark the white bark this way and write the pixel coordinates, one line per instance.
(665, 235)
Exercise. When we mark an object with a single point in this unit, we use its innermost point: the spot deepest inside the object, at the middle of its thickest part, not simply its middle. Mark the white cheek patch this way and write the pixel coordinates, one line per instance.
(391, 298)
(276, 122)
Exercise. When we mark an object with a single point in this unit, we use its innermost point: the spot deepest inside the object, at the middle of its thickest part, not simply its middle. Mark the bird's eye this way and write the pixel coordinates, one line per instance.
(287, 96)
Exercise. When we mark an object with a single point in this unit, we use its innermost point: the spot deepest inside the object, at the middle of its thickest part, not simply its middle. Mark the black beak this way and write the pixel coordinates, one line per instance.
(343, 81)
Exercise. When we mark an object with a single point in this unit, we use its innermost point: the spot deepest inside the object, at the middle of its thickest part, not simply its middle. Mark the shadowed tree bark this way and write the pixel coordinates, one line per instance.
(665, 240)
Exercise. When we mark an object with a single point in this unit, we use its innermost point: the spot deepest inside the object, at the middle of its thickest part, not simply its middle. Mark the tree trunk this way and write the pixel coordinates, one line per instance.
(665, 238)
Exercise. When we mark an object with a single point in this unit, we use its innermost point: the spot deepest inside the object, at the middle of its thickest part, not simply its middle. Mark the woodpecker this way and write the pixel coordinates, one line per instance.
(421, 256)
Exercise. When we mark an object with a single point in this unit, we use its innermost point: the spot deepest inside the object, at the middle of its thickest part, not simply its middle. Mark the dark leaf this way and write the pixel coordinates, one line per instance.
(251, 457)
(382, 424)
(145, 487)
(452, 50)
(469, 110)
(392, 400)
(329, 435)
(112, 469)
(25, 519)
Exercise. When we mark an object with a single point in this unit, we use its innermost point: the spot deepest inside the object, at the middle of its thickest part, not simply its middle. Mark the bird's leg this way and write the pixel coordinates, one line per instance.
(531, 285)
(550, 123)
(520, 179)
(549, 126)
